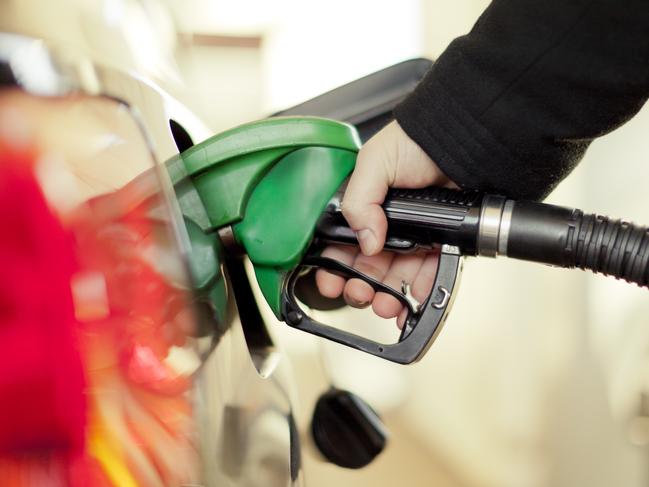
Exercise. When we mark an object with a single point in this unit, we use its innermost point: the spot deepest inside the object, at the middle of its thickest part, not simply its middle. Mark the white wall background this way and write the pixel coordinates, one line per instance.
(312, 47)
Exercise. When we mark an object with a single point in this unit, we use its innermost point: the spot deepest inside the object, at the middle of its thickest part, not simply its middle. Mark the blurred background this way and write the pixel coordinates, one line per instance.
(541, 376)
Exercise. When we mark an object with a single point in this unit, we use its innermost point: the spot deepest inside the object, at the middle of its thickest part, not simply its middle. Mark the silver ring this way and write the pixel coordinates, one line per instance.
(490, 217)
(505, 226)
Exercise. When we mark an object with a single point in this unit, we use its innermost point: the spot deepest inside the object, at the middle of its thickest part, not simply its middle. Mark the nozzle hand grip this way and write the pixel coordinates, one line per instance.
(416, 218)
(434, 215)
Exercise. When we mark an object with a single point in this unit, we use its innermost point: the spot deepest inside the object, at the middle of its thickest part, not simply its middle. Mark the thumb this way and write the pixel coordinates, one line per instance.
(365, 193)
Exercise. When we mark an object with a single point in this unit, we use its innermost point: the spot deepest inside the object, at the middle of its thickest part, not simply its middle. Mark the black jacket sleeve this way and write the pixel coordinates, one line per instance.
(512, 106)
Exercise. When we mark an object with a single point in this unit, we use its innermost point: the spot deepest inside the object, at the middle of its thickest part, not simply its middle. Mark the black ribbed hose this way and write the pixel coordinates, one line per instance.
(569, 238)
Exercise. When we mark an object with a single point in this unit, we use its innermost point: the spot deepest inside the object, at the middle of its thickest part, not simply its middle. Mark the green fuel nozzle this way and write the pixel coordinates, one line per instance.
(273, 187)
(266, 185)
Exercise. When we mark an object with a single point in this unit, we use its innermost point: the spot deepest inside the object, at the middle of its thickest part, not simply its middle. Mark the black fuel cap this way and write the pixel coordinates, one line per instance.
(346, 430)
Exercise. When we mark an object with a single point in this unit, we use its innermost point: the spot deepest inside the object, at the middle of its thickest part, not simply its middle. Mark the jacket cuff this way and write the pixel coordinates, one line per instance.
(461, 146)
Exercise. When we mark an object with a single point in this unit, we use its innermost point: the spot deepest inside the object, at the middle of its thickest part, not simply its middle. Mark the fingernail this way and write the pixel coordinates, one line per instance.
(368, 241)
(357, 304)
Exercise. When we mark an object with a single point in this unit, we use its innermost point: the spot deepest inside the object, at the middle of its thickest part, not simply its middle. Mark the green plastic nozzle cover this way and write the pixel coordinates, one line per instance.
(269, 180)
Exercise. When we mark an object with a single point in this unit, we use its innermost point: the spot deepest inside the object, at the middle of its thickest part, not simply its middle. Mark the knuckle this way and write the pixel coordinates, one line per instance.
(351, 208)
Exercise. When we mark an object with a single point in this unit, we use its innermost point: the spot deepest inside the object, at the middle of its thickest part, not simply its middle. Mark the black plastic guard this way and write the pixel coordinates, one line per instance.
(367, 102)
(421, 327)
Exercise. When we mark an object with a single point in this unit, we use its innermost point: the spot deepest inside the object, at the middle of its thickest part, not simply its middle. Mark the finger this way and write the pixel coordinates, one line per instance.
(423, 283)
(331, 285)
(402, 318)
(357, 292)
(365, 192)
(403, 268)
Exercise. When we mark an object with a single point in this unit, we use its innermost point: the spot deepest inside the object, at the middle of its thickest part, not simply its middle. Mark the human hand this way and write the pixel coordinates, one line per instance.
(389, 159)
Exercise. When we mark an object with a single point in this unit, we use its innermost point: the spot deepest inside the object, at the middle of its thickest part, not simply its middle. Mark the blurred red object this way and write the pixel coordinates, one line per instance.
(42, 402)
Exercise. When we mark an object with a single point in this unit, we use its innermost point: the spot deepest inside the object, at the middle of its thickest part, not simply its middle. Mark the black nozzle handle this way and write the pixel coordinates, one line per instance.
(416, 218)
(435, 215)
